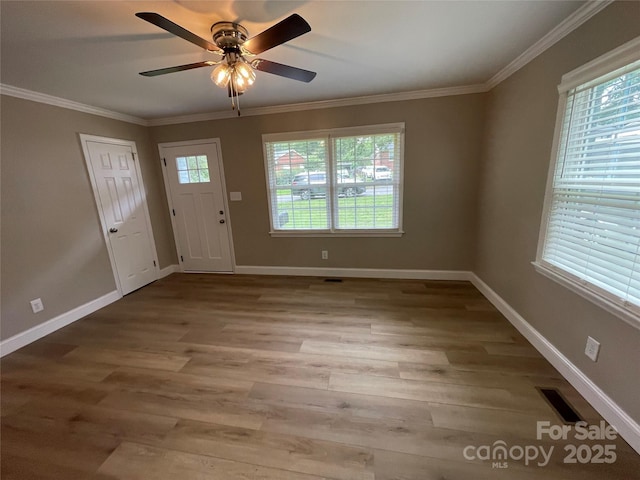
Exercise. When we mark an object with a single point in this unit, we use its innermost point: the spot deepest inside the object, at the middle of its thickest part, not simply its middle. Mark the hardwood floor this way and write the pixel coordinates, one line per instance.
(247, 377)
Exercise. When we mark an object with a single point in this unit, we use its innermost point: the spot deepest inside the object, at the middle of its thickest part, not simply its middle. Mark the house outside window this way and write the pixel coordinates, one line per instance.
(336, 182)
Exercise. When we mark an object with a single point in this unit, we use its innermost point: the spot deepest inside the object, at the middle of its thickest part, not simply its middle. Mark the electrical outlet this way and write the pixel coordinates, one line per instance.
(36, 305)
(325, 254)
(592, 349)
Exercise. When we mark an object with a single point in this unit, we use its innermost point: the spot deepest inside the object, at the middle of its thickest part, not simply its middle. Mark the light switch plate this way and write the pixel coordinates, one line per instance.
(235, 196)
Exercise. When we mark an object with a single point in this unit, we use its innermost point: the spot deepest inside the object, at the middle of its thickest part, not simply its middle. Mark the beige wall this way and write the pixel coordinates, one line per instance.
(52, 245)
(442, 144)
(520, 124)
(51, 239)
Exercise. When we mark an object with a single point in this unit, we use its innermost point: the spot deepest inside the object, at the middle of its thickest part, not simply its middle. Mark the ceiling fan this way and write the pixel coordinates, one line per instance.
(235, 71)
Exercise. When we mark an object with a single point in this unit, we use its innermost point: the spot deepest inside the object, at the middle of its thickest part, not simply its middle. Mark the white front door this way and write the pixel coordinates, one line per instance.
(122, 206)
(193, 175)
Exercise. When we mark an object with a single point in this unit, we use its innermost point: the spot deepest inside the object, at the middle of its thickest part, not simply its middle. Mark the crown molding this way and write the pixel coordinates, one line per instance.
(343, 102)
(12, 91)
(564, 28)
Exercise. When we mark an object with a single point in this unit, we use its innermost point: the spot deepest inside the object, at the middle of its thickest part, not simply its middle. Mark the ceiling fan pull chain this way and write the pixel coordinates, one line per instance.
(234, 93)
(231, 94)
(238, 101)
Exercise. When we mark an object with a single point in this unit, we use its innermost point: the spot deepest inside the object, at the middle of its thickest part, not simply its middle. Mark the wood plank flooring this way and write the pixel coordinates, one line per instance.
(286, 378)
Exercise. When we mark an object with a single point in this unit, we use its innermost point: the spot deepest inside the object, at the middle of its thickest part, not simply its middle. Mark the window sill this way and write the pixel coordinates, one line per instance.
(347, 233)
(626, 314)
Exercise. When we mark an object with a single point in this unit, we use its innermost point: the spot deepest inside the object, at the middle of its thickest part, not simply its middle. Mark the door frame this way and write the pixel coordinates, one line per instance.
(223, 184)
(84, 140)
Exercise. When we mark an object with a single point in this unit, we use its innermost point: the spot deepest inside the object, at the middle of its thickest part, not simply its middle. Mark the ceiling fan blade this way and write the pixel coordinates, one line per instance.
(283, 70)
(179, 68)
(288, 29)
(166, 24)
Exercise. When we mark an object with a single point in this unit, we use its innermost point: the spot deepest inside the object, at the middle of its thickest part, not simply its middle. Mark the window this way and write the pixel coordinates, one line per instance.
(194, 169)
(590, 238)
(333, 182)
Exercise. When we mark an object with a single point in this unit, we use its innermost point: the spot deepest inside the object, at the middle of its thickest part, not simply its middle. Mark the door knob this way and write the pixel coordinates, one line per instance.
(222, 221)
(113, 229)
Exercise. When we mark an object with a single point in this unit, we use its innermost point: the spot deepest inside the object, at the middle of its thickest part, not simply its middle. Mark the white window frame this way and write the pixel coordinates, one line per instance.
(328, 135)
(607, 64)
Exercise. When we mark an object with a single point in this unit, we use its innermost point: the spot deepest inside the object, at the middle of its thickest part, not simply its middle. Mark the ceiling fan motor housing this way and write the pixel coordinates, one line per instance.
(228, 35)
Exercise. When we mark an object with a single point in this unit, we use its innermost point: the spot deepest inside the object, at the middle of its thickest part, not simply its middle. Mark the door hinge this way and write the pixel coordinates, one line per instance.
(165, 161)
(154, 263)
(181, 258)
(174, 211)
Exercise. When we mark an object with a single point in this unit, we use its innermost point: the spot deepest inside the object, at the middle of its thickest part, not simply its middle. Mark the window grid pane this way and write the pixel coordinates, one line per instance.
(368, 169)
(298, 178)
(335, 183)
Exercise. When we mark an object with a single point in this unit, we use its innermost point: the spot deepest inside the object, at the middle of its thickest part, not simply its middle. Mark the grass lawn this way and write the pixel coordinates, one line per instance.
(362, 212)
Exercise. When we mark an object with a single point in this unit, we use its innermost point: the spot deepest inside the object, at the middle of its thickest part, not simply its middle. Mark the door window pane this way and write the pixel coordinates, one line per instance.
(183, 177)
(193, 169)
(182, 163)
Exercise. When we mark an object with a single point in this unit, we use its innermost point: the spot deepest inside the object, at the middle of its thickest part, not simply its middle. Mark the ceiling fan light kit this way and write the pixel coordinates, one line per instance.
(233, 71)
(235, 75)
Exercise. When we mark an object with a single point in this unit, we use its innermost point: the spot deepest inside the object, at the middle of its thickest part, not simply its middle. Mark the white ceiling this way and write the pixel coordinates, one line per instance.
(91, 51)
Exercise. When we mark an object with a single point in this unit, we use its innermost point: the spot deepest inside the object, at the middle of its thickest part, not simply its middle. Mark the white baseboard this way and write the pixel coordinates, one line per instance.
(166, 271)
(626, 426)
(355, 272)
(35, 333)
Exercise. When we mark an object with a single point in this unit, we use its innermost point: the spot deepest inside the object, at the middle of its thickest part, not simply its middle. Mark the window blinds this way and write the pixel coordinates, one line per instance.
(593, 227)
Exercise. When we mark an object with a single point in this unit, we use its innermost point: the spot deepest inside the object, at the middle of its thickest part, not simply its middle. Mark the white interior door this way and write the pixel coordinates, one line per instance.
(193, 175)
(123, 210)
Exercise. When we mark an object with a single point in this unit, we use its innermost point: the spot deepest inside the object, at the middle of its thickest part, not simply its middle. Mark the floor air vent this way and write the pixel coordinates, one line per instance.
(333, 280)
(559, 404)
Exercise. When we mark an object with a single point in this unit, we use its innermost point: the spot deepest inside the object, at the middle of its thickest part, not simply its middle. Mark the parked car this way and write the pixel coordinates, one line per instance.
(314, 184)
(379, 173)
